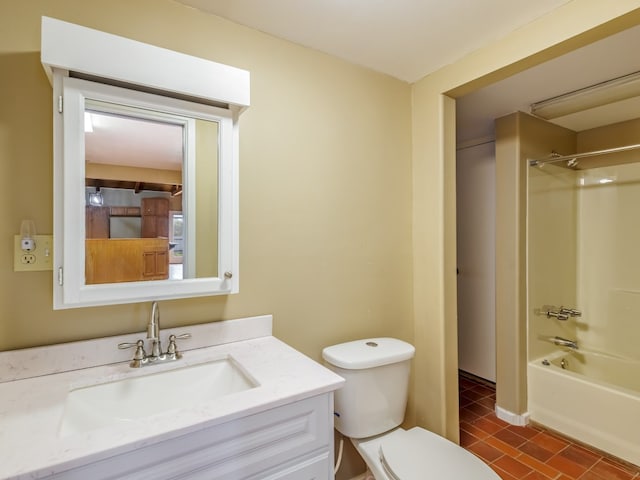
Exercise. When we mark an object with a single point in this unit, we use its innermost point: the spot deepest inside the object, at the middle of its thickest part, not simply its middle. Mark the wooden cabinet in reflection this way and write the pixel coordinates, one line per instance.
(126, 259)
(155, 217)
(97, 221)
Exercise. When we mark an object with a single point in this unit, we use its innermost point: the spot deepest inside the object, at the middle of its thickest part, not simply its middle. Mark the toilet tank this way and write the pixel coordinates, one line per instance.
(374, 396)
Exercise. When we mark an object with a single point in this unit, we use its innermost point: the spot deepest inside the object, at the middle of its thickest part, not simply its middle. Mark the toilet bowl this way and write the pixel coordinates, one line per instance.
(371, 405)
(418, 454)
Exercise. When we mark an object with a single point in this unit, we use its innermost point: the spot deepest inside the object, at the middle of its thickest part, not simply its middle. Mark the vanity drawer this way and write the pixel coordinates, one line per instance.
(312, 469)
(286, 442)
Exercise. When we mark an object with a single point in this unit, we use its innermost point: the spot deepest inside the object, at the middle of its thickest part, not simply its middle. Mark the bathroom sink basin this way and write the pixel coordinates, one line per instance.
(153, 393)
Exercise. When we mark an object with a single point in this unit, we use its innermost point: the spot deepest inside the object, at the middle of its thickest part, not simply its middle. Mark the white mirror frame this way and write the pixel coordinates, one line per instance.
(64, 48)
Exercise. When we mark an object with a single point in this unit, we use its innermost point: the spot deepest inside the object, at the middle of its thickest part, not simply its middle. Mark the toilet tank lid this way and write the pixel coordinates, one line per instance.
(368, 353)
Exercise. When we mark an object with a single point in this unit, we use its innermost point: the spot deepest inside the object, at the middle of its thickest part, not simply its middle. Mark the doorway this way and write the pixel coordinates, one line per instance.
(475, 204)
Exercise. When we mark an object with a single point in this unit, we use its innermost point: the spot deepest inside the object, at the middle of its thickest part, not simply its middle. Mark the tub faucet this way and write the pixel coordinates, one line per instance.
(153, 330)
(563, 342)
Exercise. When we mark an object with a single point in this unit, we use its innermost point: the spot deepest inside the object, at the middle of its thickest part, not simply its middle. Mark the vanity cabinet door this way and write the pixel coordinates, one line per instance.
(285, 443)
(155, 264)
(314, 469)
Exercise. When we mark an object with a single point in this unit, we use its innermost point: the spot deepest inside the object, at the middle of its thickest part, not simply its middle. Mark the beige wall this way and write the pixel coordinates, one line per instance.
(520, 137)
(610, 136)
(325, 201)
(510, 263)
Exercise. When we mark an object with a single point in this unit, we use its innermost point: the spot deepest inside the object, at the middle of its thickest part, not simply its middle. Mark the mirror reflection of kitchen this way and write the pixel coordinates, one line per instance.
(134, 201)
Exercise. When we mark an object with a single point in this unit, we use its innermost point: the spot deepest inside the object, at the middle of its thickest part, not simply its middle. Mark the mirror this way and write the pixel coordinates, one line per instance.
(147, 196)
(136, 215)
(145, 169)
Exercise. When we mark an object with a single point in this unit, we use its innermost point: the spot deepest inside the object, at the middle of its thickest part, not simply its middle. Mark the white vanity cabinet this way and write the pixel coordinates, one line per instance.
(278, 428)
(290, 442)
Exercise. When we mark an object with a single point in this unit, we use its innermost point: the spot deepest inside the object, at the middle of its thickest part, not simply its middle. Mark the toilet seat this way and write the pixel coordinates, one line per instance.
(418, 454)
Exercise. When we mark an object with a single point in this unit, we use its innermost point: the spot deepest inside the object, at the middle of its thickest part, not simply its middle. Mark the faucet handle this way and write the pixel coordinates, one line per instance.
(140, 354)
(559, 315)
(172, 349)
(571, 312)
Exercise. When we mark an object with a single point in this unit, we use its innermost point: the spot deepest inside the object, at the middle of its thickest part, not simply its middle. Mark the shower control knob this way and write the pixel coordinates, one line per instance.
(558, 315)
(571, 312)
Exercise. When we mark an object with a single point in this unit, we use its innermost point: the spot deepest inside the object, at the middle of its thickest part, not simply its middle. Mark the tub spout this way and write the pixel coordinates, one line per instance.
(563, 342)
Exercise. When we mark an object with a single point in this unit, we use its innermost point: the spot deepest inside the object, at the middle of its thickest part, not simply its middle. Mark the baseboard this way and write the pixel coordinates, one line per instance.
(477, 379)
(513, 418)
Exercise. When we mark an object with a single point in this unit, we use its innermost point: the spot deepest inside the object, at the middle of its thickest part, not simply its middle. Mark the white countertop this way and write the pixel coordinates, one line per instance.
(31, 408)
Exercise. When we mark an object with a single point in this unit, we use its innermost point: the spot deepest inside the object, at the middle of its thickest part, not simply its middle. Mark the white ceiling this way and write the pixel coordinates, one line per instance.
(132, 142)
(406, 39)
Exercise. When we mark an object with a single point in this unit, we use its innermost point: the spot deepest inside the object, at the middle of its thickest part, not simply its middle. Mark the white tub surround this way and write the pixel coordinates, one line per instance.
(35, 384)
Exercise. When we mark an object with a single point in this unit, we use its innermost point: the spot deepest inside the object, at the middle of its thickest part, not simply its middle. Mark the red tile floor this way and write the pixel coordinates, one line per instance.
(531, 452)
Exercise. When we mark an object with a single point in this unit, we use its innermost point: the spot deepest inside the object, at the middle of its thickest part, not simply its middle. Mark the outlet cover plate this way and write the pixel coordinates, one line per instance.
(38, 259)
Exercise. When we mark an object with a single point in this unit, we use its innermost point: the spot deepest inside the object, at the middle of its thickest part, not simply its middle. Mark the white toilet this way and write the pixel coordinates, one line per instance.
(371, 405)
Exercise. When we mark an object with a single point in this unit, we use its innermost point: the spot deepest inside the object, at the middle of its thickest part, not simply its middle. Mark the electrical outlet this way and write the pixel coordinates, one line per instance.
(38, 259)
(28, 259)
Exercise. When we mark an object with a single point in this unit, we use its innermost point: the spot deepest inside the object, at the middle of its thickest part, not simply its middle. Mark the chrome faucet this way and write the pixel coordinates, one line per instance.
(562, 313)
(559, 315)
(563, 342)
(572, 312)
(153, 331)
(141, 358)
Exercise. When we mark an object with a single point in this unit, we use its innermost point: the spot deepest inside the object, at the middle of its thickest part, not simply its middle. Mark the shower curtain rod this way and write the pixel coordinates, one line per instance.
(571, 159)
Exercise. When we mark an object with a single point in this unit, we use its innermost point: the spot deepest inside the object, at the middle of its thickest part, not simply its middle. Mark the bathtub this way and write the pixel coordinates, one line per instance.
(595, 399)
